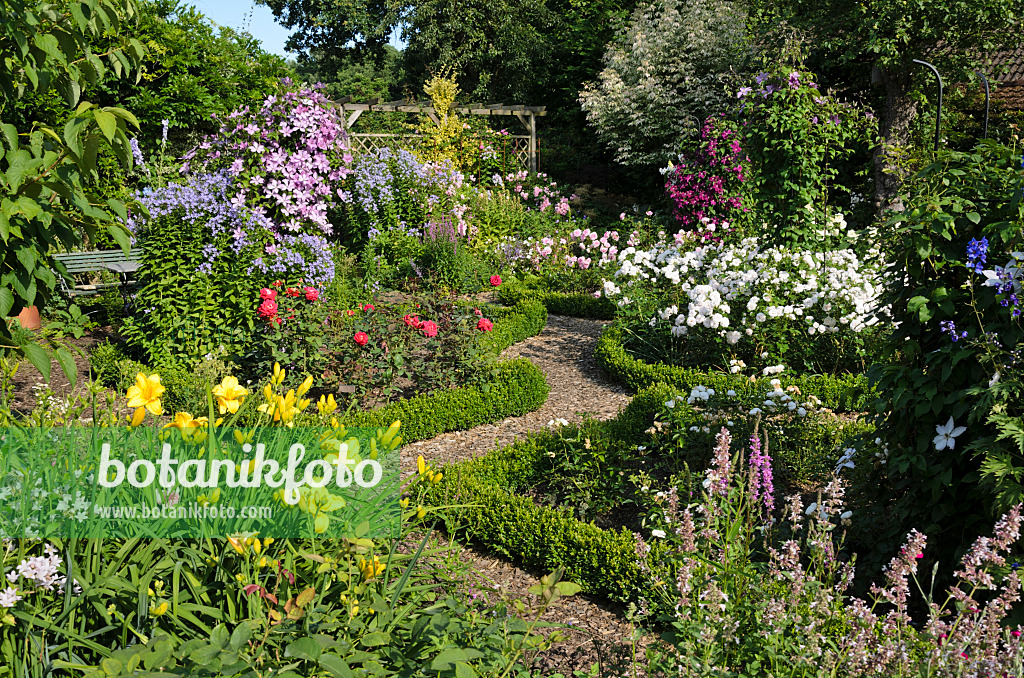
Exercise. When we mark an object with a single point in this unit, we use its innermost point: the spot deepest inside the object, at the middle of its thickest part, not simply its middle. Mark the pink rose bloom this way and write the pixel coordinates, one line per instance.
(311, 293)
(368, 307)
(484, 325)
(478, 311)
(361, 338)
(429, 328)
(268, 294)
(268, 309)
(495, 280)
(412, 321)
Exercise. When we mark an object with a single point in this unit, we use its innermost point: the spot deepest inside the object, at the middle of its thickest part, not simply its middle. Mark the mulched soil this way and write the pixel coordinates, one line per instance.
(29, 383)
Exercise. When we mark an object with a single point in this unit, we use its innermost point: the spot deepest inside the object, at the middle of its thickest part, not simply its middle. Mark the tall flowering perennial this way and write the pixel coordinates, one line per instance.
(706, 184)
(791, 182)
(762, 489)
(283, 164)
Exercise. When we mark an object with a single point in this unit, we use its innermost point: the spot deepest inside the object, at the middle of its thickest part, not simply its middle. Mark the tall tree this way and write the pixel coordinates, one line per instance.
(952, 34)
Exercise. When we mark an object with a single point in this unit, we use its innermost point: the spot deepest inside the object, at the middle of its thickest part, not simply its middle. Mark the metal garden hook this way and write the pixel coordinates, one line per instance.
(938, 115)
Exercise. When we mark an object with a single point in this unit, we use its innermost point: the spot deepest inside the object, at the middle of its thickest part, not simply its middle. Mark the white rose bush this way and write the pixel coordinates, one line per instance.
(720, 304)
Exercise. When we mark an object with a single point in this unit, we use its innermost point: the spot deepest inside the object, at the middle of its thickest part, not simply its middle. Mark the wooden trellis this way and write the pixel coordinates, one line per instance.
(524, 146)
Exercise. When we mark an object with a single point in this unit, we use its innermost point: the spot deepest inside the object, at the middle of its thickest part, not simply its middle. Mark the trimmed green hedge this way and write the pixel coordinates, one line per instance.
(842, 393)
(559, 303)
(483, 497)
(513, 324)
(519, 387)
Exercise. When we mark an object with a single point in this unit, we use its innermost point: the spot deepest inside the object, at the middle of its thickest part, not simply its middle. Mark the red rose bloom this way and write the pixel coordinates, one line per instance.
(495, 280)
(429, 328)
(311, 293)
(412, 321)
(478, 311)
(292, 292)
(484, 325)
(361, 338)
(268, 309)
(368, 307)
(276, 283)
(268, 294)
(350, 313)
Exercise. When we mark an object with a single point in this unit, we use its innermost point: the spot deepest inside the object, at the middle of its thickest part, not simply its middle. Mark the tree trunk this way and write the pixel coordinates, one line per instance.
(894, 130)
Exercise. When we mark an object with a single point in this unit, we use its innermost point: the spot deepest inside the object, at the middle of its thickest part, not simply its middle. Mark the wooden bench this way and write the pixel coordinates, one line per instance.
(78, 263)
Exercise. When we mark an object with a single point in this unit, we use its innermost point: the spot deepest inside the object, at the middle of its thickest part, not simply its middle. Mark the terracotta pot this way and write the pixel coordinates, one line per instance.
(29, 318)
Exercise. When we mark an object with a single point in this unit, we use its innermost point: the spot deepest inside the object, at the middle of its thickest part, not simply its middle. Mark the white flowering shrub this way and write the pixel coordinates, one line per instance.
(731, 306)
(674, 64)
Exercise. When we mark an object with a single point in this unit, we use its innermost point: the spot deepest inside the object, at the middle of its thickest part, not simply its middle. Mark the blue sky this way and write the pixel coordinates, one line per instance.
(257, 19)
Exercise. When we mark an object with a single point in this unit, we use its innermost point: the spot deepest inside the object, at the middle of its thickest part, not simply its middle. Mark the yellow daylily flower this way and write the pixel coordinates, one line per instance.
(371, 568)
(420, 512)
(327, 405)
(159, 610)
(319, 500)
(278, 376)
(321, 523)
(212, 498)
(140, 414)
(191, 428)
(404, 503)
(242, 438)
(146, 392)
(421, 465)
(229, 395)
(304, 387)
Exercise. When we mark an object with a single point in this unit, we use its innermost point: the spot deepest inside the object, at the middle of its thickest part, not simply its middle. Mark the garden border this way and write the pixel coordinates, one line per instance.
(560, 303)
(841, 393)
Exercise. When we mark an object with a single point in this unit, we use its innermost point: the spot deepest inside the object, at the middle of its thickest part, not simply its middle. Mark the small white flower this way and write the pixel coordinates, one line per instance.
(947, 434)
(670, 404)
(660, 534)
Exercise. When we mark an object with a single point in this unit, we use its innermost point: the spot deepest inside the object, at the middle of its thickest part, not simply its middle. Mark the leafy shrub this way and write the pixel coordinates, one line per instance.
(941, 393)
(194, 292)
(669, 69)
(722, 306)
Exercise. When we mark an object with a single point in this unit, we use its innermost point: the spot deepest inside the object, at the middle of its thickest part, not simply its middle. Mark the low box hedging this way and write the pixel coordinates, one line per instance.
(512, 324)
(484, 497)
(559, 303)
(518, 387)
(842, 393)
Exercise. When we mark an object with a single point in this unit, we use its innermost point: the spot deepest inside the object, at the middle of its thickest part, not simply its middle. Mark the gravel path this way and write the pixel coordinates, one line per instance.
(564, 351)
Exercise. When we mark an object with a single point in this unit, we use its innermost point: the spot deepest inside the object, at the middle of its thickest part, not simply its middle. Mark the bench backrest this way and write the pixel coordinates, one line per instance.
(87, 262)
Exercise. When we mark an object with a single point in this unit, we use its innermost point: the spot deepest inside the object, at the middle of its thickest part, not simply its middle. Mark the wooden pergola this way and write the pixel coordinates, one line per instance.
(525, 145)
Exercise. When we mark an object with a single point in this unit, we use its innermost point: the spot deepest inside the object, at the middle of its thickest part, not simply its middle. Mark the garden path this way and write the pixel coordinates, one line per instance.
(564, 351)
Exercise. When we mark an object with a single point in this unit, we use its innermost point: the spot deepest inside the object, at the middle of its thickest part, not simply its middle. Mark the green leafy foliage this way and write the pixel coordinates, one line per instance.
(927, 378)
(43, 173)
(180, 312)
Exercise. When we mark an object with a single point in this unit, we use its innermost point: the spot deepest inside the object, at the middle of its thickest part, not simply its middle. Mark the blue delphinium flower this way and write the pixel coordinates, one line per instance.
(977, 253)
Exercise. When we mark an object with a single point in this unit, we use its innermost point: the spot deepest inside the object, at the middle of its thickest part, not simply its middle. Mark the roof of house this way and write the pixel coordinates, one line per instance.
(1007, 71)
